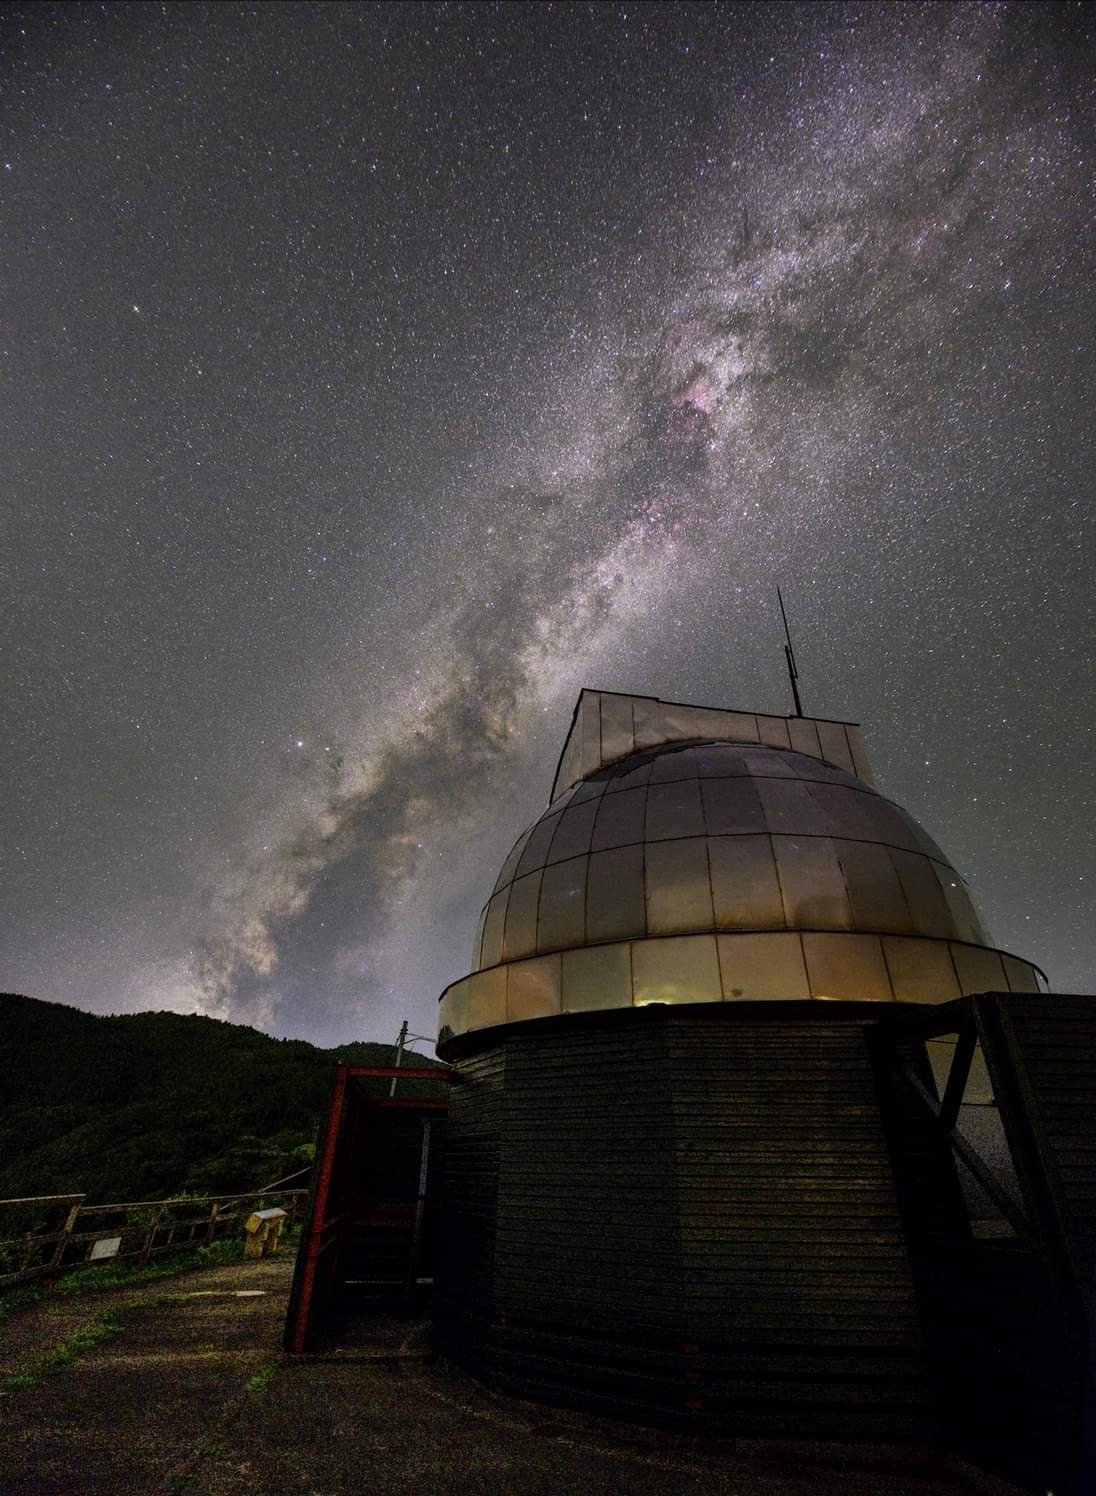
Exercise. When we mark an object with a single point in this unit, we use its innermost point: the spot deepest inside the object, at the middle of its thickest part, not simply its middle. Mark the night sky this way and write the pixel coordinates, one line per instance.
(375, 377)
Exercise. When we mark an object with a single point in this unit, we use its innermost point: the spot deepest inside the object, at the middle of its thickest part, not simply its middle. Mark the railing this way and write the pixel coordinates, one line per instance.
(45, 1235)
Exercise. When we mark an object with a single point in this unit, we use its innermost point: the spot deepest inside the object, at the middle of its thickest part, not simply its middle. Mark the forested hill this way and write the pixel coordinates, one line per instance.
(144, 1105)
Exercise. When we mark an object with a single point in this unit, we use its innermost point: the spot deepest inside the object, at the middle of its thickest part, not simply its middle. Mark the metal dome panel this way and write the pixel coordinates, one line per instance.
(721, 836)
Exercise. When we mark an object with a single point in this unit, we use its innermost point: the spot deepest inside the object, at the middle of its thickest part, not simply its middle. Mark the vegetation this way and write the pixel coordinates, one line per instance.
(12, 1300)
(262, 1379)
(147, 1105)
(61, 1356)
(98, 1277)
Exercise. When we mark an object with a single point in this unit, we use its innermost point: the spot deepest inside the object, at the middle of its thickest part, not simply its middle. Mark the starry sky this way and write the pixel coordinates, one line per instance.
(375, 377)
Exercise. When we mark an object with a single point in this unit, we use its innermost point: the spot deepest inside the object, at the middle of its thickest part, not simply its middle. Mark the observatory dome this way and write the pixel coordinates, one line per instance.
(723, 871)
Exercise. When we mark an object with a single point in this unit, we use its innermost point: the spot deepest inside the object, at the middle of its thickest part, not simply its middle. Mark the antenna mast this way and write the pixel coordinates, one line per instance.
(793, 673)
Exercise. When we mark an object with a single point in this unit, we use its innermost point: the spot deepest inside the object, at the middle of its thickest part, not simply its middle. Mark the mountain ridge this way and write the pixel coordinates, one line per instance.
(143, 1105)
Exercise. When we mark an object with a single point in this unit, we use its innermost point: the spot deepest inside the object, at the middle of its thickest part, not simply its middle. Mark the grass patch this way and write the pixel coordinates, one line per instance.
(92, 1279)
(99, 1278)
(61, 1356)
(12, 1300)
(262, 1379)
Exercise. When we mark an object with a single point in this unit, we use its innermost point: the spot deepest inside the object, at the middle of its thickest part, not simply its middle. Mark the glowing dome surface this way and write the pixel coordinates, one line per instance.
(720, 836)
(723, 871)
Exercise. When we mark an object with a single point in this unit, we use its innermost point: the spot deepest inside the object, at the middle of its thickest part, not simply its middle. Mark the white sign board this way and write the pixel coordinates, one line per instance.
(106, 1246)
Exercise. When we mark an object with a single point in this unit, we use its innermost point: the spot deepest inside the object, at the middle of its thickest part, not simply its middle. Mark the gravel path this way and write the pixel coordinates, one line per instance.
(192, 1397)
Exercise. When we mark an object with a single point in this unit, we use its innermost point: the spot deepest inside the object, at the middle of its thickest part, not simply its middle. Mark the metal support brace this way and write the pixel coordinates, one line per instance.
(957, 1075)
(981, 1171)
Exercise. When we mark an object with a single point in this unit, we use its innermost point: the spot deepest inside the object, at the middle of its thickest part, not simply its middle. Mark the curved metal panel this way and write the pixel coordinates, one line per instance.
(679, 892)
(720, 761)
(767, 967)
(929, 913)
(629, 778)
(732, 806)
(790, 807)
(979, 970)
(815, 896)
(509, 867)
(921, 971)
(477, 944)
(453, 1011)
(536, 848)
(620, 819)
(875, 893)
(745, 887)
(673, 810)
(597, 977)
(847, 809)
(589, 789)
(615, 907)
(573, 832)
(847, 967)
(676, 971)
(487, 998)
(520, 933)
(673, 764)
(533, 988)
(561, 920)
(491, 944)
(1021, 976)
(964, 918)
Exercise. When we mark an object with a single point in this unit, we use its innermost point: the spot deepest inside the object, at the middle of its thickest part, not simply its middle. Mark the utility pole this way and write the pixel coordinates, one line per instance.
(400, 1042)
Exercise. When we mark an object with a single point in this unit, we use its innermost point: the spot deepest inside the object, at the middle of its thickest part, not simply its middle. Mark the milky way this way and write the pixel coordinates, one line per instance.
(382, 375)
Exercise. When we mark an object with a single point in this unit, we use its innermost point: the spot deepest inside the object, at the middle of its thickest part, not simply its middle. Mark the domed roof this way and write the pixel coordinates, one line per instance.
(722, 871)
(720, 836)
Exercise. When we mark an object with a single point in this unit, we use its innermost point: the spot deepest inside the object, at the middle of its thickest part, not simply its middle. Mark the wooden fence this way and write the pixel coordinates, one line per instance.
(46, 1235)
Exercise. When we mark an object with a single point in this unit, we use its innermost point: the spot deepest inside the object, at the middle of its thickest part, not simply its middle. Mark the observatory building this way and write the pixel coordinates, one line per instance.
(712, 1064)
(747, 1126)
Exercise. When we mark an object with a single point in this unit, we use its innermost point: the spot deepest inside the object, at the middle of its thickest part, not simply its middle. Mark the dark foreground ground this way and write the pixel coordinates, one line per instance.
(190, 1394)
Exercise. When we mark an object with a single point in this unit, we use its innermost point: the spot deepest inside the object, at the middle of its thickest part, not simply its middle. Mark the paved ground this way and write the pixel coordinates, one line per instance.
(192, 1395)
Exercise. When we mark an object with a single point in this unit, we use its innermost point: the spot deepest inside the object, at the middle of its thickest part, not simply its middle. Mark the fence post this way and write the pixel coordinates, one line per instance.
(150, 1236)
(66, 1232)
